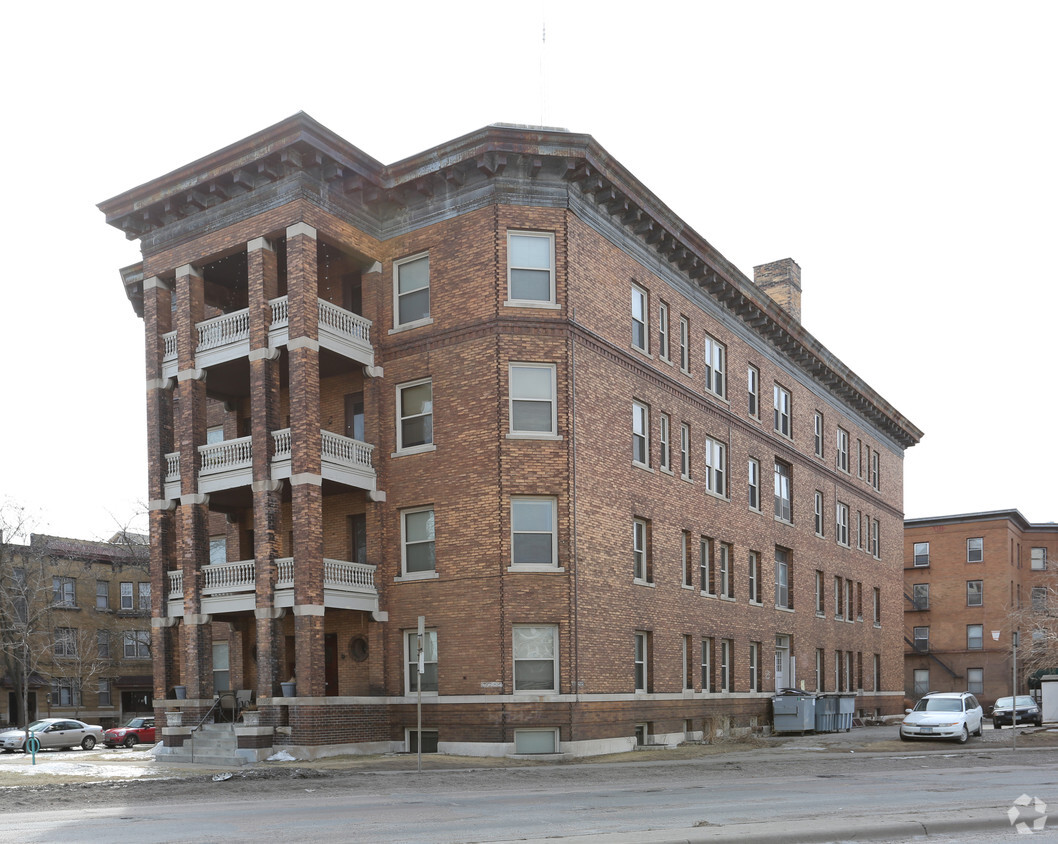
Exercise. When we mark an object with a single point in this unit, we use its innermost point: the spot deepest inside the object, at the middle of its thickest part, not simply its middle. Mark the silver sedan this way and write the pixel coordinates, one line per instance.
(54, 733)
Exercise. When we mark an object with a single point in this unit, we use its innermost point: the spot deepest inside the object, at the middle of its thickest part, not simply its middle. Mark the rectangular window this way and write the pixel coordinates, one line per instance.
(532, 402)
(975, 596)
(726, 655)
(640, 434)
(417, 541)
(753, 482)
(64, 591)
(65, 642)
(1039, 559)
(535, 658)
(921, 681)
(685, 451)
(876, 538)
(640, 319)
(843, 450)
(877, 673)
(849, 598)
(642, 662)
(663, 331)
(126, 596)
(715, 467)
(783, 594)
(921, 639)
(415, 416)
(411, 290)
(754, 578)
(533, 533)
(819, 513)
(145, 596)
(104, 693)
(820, 669)
(921, 553)
(687, 558)
(753, 391)
(859, 458)
(102, 594)
(860, 533)
(214, 434)
(975, 550)
(783, 509)
(136, 644)
(754, 666)
(842, 524)
(358, 538)
(877, 607)
(666, 448)
(875, 476)
(817, 433)
(707, 665)
(218, 554)
(530, 268)
(429, 741)
(64, 692)
(103, 644)
(688, 664)
(725, 577)
(221, 666)
(974, 637)
(821, 606)
(715, 367)
(920, 596)
(781, 401)
(1039, 599)
(839, 598)
(641, 561)
(685, 348)
(705, 567)
(428, 676)
(975, 681)
(529, 742)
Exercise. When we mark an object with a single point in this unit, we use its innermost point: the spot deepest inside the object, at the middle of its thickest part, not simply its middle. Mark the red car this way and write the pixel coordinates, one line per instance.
(131, 733)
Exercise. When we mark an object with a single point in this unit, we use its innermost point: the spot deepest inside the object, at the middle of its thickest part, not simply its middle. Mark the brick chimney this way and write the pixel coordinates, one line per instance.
(782, 281)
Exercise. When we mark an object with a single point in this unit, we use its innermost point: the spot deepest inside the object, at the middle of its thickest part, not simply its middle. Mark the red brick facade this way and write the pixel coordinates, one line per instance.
(514, 537)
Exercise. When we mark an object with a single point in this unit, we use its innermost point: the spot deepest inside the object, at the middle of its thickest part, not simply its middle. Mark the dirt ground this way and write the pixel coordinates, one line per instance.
(65, 779)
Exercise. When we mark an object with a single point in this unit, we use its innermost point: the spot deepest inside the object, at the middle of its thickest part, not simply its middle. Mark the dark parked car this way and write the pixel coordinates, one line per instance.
(1028, 712)
(130, 734)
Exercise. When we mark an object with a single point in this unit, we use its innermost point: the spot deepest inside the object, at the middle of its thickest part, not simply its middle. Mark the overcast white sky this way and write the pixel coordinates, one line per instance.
(902, 153)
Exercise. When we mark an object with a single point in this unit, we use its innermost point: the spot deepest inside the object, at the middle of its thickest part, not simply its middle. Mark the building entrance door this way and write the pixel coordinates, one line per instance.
(782, 662)
(330, 661)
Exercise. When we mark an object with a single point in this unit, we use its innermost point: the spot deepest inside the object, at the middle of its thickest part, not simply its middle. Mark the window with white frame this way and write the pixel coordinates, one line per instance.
(921, 639)
(783, 593)
(727, 648)
(532, 400)
(687, 558)
(640, 434)
(754, 578)
(640, 319)
(705, 567)
(921, 681)
(819, 513)
(641, 562)
(536, 741)
(428, 678)
(875, 476)
(145, 595)
(724, 575)
(820, 669)
(820, 593)
(535, 658)
(417, 541)
(753, 391)
(221, 666)
(783, 508)
(843, 450)
(65, 642)
(105, 698)
(974, 637)
(877, 607)
(663, 331)
(64, 591)
(685, 348)
(64, 692)
(842, 523)
(218, 553)
(707, 665)
(530, 268)
(754, 666)
(642, 661)
(685, 451)
(1039, 599)
(975, 594)
(103, 644)
(839, 597)
(975, 549)
(136, 644)
(921, 552)
(753, 483)
(920, 596)
(415, 416)
(533, 534)
(1039, 559)
(876, 538)
(975, 681)
(850, 596)
(688, 663)
(214, 434)
(715, 367)
(781, 402)
(817, 433)
(664, 441)
(411, 290)
(102, 594)
(715, 467)
(125, 589)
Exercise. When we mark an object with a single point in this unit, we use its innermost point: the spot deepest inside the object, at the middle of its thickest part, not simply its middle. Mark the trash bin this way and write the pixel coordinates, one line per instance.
(793, 712)
(846, 709)
(826, 713)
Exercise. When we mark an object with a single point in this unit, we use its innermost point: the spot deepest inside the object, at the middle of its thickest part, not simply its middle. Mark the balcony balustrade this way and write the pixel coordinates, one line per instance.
(227, 337)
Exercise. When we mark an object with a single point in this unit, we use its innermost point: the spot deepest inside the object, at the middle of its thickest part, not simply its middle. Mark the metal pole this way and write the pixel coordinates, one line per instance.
(418, 694)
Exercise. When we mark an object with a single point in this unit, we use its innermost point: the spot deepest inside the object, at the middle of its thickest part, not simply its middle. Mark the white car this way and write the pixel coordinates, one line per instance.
(951, 715)
(54, 733)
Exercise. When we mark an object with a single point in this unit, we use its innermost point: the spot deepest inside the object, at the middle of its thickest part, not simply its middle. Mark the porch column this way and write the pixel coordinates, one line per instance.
(306, 475)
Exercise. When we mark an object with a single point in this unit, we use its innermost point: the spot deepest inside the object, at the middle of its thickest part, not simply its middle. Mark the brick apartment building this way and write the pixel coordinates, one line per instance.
(966, 577)
(86, 606)
(501, 386)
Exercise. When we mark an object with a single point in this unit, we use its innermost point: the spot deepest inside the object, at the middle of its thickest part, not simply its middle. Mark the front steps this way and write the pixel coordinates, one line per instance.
(212, 744)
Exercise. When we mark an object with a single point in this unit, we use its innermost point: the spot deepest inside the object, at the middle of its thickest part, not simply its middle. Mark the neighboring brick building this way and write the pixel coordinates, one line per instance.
(965, 577)
(86, 633)
(499, 385)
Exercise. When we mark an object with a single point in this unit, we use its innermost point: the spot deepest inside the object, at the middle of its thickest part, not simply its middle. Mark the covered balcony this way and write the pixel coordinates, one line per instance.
(231, 587)
(227, 337)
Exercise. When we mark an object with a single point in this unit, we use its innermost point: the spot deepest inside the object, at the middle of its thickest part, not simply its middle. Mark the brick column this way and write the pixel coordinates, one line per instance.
(263, 285)
(193, 512)
(306, 478)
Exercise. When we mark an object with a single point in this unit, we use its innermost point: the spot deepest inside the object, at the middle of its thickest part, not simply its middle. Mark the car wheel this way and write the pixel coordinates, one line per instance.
(903, 737)
(964, 735)
(996, 725)
(130, 741)
(88, 742)
(980, 729)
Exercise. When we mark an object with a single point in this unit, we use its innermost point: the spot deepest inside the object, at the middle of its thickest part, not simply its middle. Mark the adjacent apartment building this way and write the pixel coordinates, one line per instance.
(500, 387)
(970, 581)
(75, 631)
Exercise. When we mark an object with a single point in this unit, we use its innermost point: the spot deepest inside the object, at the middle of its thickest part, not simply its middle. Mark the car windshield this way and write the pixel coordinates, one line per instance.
(939, 704)
(37, 726)
(1023, 700)
(135, 722)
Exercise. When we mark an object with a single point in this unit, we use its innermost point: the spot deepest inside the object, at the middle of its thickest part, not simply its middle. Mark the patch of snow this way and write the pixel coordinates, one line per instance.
(85, 769)
(282, 756)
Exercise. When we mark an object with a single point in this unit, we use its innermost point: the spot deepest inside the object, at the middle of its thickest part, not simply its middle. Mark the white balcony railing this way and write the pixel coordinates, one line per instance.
(226, 455)
(226, 578)
(223, 330)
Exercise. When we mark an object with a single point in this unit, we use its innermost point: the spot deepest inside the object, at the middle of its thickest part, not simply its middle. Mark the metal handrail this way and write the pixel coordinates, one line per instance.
(216, 703)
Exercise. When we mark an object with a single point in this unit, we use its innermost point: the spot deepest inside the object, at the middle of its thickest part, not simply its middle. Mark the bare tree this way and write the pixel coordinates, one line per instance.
(1037, 622)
